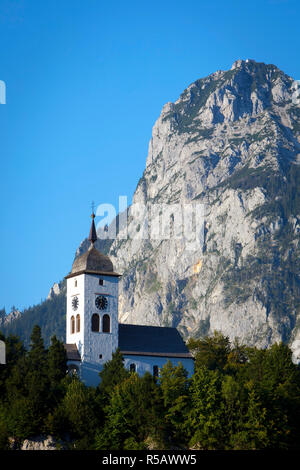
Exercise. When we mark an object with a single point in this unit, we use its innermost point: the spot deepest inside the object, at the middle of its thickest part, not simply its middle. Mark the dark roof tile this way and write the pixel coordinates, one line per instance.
(151, 340)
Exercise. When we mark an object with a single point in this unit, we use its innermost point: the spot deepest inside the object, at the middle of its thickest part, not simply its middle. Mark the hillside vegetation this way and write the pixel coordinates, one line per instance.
(238, 398)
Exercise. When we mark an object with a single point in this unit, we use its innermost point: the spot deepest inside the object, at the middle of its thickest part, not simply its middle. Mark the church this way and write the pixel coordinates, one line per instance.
(93, 331)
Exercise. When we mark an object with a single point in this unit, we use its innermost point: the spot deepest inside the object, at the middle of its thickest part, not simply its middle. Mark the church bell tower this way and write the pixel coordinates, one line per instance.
(92, 312)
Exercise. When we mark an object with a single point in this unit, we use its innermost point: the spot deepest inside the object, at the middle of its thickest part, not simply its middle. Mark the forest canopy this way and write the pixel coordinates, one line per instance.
(238, 398)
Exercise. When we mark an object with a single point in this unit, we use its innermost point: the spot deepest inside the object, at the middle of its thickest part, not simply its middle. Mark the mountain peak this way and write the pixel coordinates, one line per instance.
(240, 62)
(248, 89)
(231, 141)
(252, 65)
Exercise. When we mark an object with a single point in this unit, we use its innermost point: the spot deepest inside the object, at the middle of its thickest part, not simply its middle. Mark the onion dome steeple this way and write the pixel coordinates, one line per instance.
(92, 261)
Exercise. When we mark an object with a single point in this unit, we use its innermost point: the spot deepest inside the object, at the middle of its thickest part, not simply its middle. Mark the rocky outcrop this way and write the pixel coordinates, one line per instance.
(230, 148)
(40, 443)
(56, 289)
(7, 319)
(229, 144)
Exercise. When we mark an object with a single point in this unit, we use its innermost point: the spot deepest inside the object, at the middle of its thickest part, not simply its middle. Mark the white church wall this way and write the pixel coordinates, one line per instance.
(75, 288)
(99, 345)
(2, 353)
(89, 372)
(146, 363)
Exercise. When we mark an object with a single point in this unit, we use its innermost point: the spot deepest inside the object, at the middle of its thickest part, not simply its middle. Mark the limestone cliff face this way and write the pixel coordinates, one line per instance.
(231, 142)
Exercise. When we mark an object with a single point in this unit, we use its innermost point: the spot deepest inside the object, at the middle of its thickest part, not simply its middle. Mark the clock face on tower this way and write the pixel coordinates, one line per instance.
(101, 302)
(75, 303)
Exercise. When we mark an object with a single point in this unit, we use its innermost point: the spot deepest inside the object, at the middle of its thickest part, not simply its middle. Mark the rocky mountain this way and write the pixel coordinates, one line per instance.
(231, 144)
(229, 150)
(49, 314)
(56, 289)
(6, 319)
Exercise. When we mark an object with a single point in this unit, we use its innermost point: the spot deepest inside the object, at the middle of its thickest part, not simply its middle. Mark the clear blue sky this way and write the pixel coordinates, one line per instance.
(85, 82)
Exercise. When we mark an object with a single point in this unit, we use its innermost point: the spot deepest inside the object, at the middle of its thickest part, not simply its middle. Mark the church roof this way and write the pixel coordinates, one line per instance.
(144, 340)
(92, 261)
(72, 352)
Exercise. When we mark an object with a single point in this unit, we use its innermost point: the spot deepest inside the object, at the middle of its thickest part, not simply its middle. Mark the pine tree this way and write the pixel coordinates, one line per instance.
(211, 351)
(133, 413)
(112, 374)
(234, 407)
(256, 421)
(37, 353)
(57, 362)
(27, 391)
(205, 419)
(79, 408)
(173, 384)
(14, 351)
(4, 436)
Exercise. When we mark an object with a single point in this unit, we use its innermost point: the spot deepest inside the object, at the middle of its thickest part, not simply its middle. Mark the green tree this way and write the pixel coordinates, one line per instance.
(57, 361)
(56, 423)
(205, 420)
(79, 407)
(251, 429)
(211, 351)
(174, 383)
(236, 358)
(15, 382)
(112, 374)
(28, 390)
(22, 419)
(4, 436)
(36, 380)
(132, 414)
(14, 351)
(37, 356)
(276, 382)
(233, 407)
(256, 425)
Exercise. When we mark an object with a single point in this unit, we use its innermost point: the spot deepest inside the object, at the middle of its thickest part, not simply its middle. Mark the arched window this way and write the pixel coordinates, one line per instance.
(77, 323)
(72, 324)
(132, 367)
(155, 371)
(95, 322)
(106, 323)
